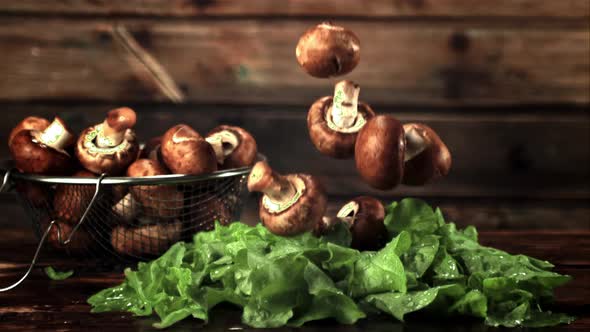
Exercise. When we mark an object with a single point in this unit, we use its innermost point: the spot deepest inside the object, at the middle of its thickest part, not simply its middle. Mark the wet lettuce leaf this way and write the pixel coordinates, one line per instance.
(57, 275)
(428, 265)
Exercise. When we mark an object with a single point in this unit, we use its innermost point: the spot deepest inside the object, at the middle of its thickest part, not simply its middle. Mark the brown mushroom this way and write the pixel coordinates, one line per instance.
(109, 147)
(379, 152)
(334, 123)
(81, 241)
(184, 151)
(151, 150)
(145, 240)
(233, 146)
(291, 204)
(202, 211)
(126, 209)
(43, 152)
(365, 216)
(71, 200)
(29, 123)
(328, 50)
(427, 157)
(157, 200)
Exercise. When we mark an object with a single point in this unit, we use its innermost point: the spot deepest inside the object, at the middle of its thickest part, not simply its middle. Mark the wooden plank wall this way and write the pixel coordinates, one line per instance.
(506, 85)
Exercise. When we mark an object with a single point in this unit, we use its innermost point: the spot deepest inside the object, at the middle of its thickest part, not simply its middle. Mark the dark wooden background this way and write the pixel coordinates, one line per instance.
(506, 84)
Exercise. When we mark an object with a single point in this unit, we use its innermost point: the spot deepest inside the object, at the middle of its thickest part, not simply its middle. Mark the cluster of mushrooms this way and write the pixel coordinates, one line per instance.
(38, 146)
(386, 151)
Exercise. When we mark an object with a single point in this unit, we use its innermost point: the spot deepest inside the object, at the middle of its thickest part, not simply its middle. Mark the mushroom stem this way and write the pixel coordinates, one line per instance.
(415, 143)
(114, 127)
(277, 187)
(344, 110)
(55, 135)
(347, 213)
(224, 143)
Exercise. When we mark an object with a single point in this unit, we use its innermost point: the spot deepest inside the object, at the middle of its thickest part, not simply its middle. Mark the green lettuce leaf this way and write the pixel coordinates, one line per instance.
(57, 275)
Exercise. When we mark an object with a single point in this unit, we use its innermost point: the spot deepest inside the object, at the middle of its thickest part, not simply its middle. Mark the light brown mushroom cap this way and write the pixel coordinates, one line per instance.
(70, 201)
(43, 152)
(157, 201)
(379, 152)
(432, 160)
(234, 146)
(327, 50)
(186, 152)
(28, 123)
(145, 240)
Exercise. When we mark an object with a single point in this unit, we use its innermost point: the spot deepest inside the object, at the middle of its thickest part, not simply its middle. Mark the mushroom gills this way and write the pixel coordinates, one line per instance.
(224, 143)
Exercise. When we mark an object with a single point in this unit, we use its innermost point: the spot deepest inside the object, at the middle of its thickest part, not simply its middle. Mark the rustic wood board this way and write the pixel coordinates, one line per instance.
(252, 61)
(324, 8)
(45, 305)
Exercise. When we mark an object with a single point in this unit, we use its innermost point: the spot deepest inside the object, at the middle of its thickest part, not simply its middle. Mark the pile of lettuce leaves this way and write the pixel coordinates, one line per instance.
(428, 265)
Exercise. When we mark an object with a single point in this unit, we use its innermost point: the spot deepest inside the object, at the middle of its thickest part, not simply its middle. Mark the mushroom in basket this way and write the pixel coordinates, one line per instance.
(184, 151)
(43, 151)
(291, 204)
(234, 147)
(109, 147)
(145, 240)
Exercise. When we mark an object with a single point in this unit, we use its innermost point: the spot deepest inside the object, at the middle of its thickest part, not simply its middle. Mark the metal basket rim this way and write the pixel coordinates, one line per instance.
(170, 179)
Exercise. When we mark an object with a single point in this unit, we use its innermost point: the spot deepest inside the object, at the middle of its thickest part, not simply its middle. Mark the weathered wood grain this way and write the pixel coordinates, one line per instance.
(252, 61)
(324, 8)
(501, 153)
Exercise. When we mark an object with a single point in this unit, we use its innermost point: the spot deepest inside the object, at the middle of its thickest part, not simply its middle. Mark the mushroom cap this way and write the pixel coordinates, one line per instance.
(71, 200)
(36, 194)
(186, 152)
(303, 215)
(152, 148)
(432, 163)
(113, 160)
(244, 154)
(367, 229)
(328, 50)
(145, 240)
(330, 142)
(379, 152)
(31, 156)
(29, 123)
(121, 118)
(163, 201)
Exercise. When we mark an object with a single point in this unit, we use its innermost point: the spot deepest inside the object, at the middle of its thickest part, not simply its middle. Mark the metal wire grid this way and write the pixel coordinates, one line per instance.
(131, 219)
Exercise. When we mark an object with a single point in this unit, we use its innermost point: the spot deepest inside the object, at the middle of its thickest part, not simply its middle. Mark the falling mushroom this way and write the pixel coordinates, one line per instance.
(291, 204)
(184, 151)
(365, 216)
(234, 147)
(328, 50)
(109, 147)
(334, 122)
(427, 157)
(379, 152)
(43, 152)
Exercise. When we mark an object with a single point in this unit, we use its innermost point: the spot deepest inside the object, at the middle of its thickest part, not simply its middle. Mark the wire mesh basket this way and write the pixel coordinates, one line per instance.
(125, 219)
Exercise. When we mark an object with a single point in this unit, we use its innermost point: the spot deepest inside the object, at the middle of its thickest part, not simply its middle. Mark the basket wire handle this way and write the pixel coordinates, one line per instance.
(5, 180)
(46, 233)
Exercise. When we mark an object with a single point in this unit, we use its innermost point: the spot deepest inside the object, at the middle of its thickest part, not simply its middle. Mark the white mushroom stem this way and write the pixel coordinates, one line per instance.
(224, 143)
(55, 135)
(415, 142)
(109, 137)
(344, 109)
(347, 213)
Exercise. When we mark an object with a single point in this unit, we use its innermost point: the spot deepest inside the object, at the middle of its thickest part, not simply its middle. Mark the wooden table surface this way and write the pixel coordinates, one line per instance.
(41, 304)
